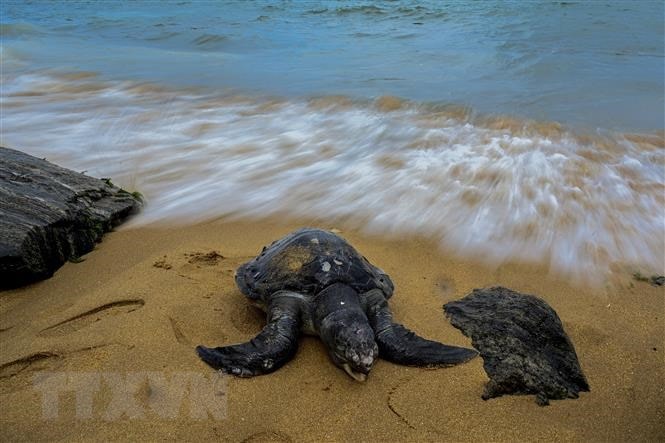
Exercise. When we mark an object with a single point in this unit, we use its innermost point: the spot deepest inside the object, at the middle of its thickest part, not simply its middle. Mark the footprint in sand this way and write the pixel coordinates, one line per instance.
(193, 266)
(162, 264)
(180, 336)
(19, 374)
(32, 361)
(204, 258)
(80, 321)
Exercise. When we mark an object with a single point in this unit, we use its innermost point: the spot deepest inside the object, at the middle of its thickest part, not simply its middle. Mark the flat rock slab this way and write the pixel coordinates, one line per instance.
(522, 342)
(49, 215)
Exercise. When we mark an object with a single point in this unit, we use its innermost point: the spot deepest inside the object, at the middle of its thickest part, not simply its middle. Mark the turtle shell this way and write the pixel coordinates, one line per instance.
(307, 261)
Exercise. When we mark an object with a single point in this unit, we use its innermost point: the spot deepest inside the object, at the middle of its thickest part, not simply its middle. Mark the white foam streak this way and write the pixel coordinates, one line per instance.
(492, 193)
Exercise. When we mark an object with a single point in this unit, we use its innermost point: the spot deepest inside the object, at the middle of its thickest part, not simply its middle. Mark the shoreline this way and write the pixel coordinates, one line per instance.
(161, 297)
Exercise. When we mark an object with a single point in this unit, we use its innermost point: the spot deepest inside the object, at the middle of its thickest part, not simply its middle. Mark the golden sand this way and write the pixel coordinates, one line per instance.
(144, 298)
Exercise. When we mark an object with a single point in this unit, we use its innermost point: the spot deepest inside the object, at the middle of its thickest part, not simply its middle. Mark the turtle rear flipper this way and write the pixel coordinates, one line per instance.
(271, 349)
(402, 346)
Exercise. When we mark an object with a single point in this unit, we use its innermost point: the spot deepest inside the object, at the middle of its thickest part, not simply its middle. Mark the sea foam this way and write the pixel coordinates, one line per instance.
(490, 187)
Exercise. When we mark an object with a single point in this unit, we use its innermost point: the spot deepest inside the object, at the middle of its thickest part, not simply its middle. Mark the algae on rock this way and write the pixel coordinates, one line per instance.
(49, 215)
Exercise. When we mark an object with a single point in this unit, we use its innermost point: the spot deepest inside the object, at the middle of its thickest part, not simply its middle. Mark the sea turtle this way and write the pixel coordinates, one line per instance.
(315, 282)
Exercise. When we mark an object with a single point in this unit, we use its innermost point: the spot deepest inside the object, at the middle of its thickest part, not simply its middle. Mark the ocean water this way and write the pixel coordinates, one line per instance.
(507, 130)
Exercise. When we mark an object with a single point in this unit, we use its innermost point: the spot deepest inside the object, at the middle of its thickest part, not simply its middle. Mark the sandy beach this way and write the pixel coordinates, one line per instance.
(145, 297)
(456, 145)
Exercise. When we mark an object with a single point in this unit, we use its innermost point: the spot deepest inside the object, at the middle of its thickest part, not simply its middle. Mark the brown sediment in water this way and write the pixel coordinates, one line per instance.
(390, 161)
(388, 103)
(78, 75)
(533, 187)
(646, 141)
(118, 312)
(264, 107)
(328, 102)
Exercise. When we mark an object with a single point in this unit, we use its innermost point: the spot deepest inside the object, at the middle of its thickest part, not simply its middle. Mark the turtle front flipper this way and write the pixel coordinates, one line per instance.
(271, 349)
(402, 346)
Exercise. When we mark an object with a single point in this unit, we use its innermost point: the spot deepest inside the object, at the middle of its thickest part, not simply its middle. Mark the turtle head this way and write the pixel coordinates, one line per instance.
(355, 350)
(344, 328)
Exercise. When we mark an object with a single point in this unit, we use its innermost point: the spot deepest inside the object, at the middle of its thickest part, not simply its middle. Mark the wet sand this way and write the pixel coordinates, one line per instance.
(145, 297)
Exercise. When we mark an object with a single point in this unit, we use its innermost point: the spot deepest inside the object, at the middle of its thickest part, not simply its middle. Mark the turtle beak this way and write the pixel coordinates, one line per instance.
(358, 376)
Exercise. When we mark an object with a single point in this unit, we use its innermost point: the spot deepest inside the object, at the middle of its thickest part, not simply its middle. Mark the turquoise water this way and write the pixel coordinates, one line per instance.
(507, 130)
(594, 63)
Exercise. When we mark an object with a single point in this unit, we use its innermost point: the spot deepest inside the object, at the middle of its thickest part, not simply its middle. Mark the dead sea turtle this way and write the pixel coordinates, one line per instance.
(315, 282)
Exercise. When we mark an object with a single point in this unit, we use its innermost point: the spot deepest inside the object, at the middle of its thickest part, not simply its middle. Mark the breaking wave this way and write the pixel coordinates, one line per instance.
(486, 186)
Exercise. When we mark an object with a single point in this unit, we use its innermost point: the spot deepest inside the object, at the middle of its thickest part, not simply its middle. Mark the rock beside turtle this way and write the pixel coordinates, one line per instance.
(522, 342)
(49, 215)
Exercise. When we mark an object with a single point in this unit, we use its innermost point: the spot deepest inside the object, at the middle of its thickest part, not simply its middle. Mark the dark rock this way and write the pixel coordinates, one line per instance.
(522, 342)
(657, 280)
(49, 215)
(654, 280)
